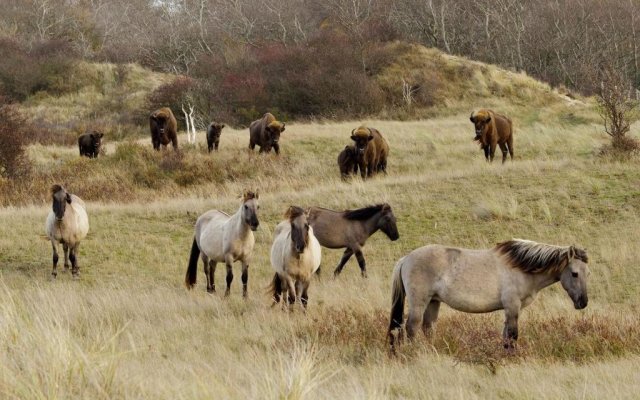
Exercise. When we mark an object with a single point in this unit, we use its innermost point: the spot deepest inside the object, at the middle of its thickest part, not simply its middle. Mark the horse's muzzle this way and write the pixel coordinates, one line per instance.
(254, 227)
(581, 303)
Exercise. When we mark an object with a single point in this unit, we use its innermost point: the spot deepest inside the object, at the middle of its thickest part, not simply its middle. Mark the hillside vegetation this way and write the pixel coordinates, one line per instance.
(129, 329)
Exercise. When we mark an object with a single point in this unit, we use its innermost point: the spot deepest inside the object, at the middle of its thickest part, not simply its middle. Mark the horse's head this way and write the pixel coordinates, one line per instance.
(60, 199)
(387, 223)
(299, 228)
(250, 209)
(480, 120)
(574, 277)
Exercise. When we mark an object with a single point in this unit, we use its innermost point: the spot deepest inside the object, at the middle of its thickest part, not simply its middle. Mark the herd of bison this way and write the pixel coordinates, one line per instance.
(368, 153)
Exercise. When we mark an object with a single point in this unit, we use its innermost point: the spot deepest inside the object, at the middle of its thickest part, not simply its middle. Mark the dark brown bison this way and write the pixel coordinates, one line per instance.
(265, 133)
(89, 144)
(347, 161)
(213, 135)
(372, 150)
(164, 128)
(492, 130)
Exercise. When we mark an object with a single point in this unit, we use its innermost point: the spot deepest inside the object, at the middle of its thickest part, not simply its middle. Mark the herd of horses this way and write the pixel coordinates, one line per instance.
(506, 277)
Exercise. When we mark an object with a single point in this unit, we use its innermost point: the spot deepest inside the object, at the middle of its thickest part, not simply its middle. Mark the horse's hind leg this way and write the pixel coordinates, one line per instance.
(211, 276)
(54, 272)
(417, 307)
(207, 272)
(345, 257)
(430, 316)
(304, 298)
(75, 269)
(65, 249)
(228, 262)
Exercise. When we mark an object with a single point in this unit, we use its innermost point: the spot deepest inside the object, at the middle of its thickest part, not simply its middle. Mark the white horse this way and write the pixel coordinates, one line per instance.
(67, 223)
(295, 256)
(223, 238)
(506, 277)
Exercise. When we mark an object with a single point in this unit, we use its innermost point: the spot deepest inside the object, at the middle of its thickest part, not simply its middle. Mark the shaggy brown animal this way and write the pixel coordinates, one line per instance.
(164, 128)
(347, 161)
(265, 132)
(372, 150)
(492, 130)
(213, 135)
(89, 144)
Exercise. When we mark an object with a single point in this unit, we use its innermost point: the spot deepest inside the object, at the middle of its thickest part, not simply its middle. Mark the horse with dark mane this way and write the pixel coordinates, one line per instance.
(351, 229)
(507, 277)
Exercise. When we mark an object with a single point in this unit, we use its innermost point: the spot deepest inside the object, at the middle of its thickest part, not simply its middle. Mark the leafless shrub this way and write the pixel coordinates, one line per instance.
(618, 109)
(13, 161)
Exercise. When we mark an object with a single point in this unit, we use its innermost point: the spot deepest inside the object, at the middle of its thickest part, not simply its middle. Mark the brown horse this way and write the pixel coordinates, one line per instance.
(506, 277)
(351, 229)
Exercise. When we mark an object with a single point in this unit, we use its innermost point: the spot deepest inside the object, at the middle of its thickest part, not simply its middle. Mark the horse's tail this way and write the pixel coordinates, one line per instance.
(397, 305)
(192, 270)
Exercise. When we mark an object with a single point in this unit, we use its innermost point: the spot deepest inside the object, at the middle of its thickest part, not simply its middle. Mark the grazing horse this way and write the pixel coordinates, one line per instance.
(506, 277)
(67, 223)
(295, 256)
(223, 238)
(351, 229)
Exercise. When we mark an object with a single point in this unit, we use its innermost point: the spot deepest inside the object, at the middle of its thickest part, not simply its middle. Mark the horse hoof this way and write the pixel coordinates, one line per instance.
(211, 291)
(364, 275)
(76, 276)
(53, 276)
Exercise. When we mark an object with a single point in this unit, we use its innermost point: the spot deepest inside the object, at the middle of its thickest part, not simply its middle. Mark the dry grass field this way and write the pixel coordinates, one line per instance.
(129, 329)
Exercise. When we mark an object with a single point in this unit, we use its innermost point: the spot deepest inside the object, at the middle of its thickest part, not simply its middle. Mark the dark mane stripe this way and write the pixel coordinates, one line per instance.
(294, 212)
(537, 258)
(363, 213)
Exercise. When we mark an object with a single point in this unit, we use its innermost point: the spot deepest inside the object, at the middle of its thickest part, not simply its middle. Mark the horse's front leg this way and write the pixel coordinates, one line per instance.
(345, 257)
(304, 298)
(510, 332)
(292, 292)
(229, 262)
(54, 272)
(245, 277)
(361, 263)
(65, 249)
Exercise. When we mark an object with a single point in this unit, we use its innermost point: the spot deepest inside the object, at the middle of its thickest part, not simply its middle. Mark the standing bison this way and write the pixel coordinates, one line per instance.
(213, 135)
(164, 128)
(371, 150)
(347, 161)
(265, 133)
(492, 130)
(89, 144)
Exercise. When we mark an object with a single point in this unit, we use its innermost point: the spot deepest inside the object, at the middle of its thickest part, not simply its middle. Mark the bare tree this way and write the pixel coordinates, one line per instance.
(618, 108)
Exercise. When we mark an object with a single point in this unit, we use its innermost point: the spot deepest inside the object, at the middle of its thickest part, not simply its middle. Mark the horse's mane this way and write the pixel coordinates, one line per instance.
(55, 189)
(363, 213)
(537, 258)
(294, 212)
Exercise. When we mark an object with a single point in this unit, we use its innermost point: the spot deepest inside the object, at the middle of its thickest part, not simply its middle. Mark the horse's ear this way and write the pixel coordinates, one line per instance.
(287, 214)
(572, 252)
(68, 198)
(257, 195)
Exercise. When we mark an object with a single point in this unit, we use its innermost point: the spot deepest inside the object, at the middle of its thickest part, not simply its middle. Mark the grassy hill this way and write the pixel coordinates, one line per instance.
(129, 329)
